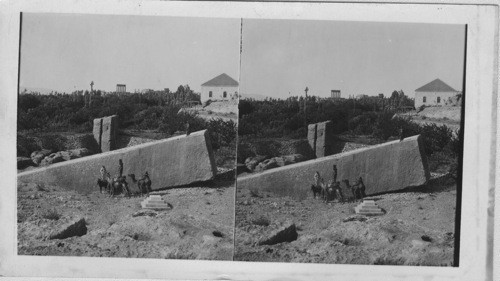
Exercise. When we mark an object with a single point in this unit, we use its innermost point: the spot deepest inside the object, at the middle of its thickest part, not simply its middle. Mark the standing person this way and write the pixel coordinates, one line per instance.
(120, 168)
(103, 173)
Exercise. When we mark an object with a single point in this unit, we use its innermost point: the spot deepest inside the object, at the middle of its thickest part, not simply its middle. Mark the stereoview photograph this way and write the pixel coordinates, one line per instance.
(349, 142)
(126, 136)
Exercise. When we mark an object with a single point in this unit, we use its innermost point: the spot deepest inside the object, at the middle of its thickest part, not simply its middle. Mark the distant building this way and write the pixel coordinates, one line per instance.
(435, 93)
(335, 94)
(221, 87)
(381, 96)
(121, 88)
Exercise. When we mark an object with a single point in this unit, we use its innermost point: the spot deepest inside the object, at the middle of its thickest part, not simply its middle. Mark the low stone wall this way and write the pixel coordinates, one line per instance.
(385, 167)
(171, 162)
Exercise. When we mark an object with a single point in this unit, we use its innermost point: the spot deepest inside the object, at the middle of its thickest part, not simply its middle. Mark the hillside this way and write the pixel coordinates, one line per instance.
(225, 110)
(439, 115)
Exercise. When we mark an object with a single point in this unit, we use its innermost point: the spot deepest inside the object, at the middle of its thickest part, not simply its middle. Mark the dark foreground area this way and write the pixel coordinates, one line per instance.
(416, 229)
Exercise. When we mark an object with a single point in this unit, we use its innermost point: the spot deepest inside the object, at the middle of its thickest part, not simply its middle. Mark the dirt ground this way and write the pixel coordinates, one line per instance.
(199, 225)
(416, 229)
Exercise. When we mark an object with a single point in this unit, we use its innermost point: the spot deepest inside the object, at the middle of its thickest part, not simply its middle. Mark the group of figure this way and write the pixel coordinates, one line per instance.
(333, 190)
(118, 184)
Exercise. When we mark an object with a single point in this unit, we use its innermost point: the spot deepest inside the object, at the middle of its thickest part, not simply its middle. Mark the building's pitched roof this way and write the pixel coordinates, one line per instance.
(221, 80)
(436, 86)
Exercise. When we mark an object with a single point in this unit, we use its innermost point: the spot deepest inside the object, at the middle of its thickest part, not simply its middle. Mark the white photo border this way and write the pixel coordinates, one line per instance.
(479, 139)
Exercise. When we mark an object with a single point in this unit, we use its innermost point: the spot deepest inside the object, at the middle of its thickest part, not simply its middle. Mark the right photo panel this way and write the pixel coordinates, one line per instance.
(350, 140)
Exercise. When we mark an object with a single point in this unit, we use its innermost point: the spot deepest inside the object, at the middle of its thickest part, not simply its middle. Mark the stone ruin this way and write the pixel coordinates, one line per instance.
(105, 132)
(175, 161)
(384, 167)
(321, 137)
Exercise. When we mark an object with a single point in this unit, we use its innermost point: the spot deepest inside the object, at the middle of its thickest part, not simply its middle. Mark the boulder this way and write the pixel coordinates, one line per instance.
(76, 228)
(252, 162)
(66, 155)
(287, 233)
(52, 159)
(289, 159)
(266, 165)
(38, 155)
(24, 162)
(81, 152)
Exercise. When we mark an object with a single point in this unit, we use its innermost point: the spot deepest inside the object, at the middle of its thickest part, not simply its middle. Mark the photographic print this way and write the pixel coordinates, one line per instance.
(349, 142)
(248, 141)
(126, 136)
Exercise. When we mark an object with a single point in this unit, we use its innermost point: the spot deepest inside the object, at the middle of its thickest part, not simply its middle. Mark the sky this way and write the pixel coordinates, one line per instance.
(65, 52)
(282, 57)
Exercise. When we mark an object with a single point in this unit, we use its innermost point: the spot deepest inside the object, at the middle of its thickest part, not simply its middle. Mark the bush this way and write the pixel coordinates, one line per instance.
(435, 137)
(363, 124)
(222, 133)
(51, 215)
(385, 126)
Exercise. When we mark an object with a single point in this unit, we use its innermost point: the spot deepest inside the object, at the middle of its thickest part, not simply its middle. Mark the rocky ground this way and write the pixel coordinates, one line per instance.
(416, 229)
(225, 110)
(198, 226)
(449, 116)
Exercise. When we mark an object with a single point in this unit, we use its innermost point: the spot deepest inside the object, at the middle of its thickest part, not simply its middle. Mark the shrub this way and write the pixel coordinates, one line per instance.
(51, 215)
(363, 124)
(435, 137)
(385, 126)
(222, 133)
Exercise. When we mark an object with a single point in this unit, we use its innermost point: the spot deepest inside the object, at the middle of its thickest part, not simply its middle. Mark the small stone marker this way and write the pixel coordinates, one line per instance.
(155, 202)
(369, 208)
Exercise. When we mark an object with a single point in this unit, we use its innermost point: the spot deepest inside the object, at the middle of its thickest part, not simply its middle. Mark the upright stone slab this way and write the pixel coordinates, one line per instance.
(311, 136)
(323, 139)
(171, 162)
(108, 137)
(97, 131)
(385, 167)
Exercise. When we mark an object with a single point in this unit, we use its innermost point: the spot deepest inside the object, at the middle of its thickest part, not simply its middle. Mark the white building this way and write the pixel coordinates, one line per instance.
(221, 87)
(335, 94)
(435, 93)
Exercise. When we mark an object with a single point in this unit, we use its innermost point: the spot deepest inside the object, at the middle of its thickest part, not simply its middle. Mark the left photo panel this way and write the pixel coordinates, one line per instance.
(126, 136)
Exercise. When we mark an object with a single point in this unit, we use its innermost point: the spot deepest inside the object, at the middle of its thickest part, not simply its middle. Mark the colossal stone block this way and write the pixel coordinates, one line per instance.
(97, 131)
(312, 137)
(175, 161)
(108, 137)
(321, 138)
(324, 139)
(105, 132)
(385, 167)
